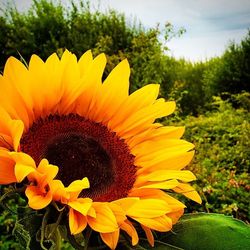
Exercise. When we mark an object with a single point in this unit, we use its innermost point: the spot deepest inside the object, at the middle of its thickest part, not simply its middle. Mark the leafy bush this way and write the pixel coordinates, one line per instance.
(222, 159)
(189, 88)
(8, 219)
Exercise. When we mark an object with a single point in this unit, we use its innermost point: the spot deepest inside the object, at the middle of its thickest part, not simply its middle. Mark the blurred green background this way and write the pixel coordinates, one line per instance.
(213, 99)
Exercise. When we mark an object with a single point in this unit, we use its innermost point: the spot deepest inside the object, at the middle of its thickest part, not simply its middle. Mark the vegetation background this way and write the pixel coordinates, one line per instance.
(213, 97)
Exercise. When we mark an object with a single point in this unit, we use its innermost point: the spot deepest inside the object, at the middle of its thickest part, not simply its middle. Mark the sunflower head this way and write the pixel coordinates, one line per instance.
(89, 147)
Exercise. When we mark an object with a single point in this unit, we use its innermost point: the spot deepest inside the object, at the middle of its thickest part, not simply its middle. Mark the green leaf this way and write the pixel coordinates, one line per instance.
(209, 231)
(52, 234)
(25, 230)
(22, 235)
(31, 223)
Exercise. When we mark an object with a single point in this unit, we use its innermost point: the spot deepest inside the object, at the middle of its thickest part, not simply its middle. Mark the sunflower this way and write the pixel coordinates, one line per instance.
(88, 145)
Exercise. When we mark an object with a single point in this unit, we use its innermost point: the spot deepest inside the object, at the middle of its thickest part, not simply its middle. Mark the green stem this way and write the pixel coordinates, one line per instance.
(206, 202)
(58, 240)
(44, 223)
(56, 224)
(23, 60)
(57, 208)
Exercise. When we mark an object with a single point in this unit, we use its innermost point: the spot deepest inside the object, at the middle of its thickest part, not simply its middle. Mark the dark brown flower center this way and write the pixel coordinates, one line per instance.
(83, 148)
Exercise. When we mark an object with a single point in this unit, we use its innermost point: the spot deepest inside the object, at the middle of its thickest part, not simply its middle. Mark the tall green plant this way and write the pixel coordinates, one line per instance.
(231, 72)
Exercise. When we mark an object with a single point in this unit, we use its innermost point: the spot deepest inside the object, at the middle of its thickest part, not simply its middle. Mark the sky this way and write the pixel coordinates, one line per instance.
(210, 25)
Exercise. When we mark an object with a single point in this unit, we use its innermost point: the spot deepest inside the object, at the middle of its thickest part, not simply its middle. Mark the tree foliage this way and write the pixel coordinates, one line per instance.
(196, 83)
(48, 27)
(234, 74)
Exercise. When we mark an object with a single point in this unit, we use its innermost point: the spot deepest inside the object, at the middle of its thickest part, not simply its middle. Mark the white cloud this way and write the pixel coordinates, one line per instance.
(196, 48)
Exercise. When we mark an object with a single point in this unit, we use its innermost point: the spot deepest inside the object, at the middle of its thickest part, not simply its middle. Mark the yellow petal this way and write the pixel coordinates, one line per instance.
(52, 83)
(161, 224)
(77, 221)
(4, 152)
(91, 81)
(12, 128)
(119, 77)
(82, 205)
(24, 165)
(92, 212)
(142, 119)
(119, 213)
(7, 174)
(172, 203)
(162, 175)
(167, 132)
(37, 200)
(139, 99)
(58, 191)
(78, 185)
(16, 131)
(148, 208)
(155, 134)
(35, 92)
(111, 239)
(161, 185)
(105, 221)
(15, 86)
(112, 93)
(23, 158)
(184, 175)
(6, 142)
(70, 81)
(128, 227)
(160, 150)
(175, 215)
(174, 162)
(126, 203)
(151, 146)
(21, 171)
(49, 170)
(149, 235)
(188, 191)
(4, 121)
(84, 62)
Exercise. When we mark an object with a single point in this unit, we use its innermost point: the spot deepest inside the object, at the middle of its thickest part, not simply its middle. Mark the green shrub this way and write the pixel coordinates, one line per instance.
(222, 159)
